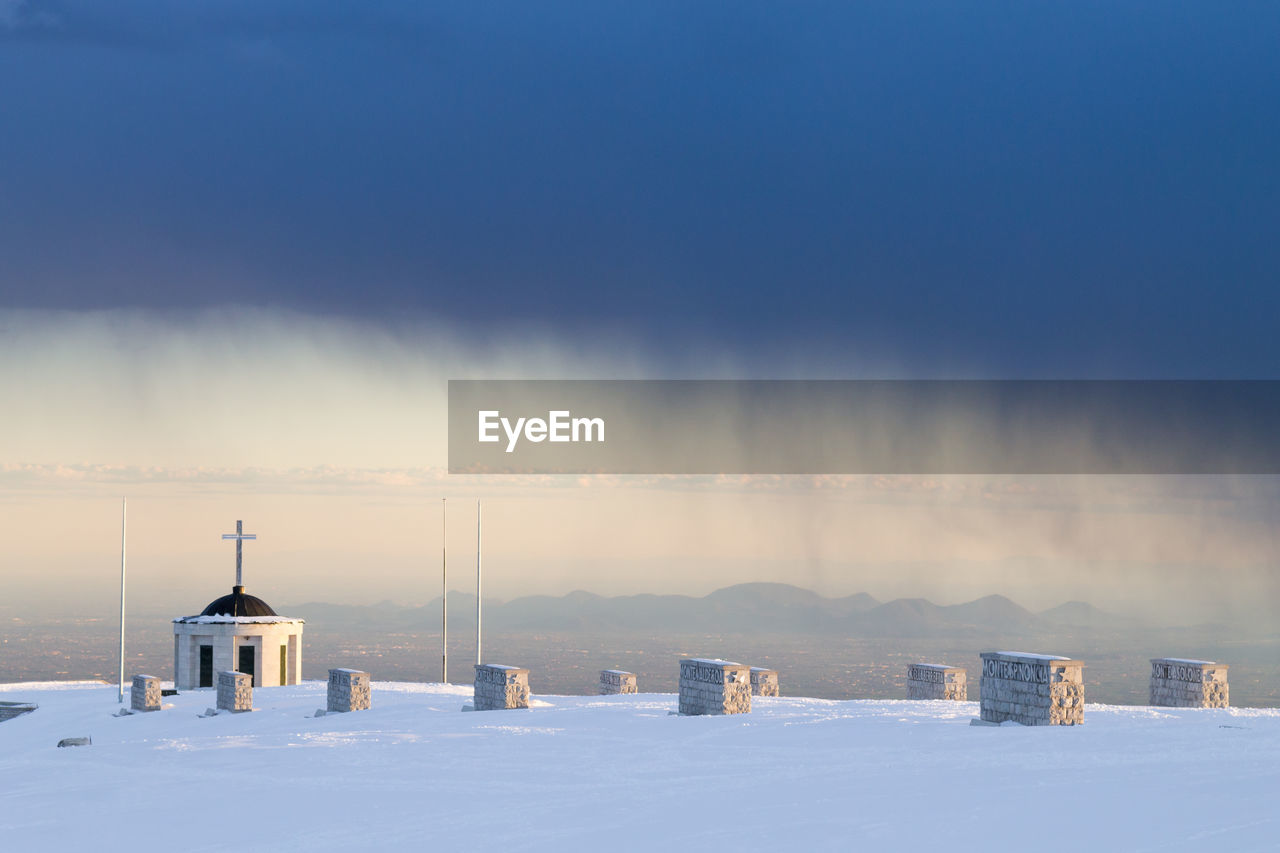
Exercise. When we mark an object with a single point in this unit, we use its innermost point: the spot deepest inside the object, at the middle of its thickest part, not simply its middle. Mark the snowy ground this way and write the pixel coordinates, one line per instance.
(620, 773)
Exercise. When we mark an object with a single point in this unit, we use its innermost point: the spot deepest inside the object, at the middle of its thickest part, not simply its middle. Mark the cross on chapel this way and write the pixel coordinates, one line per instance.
(239, 536)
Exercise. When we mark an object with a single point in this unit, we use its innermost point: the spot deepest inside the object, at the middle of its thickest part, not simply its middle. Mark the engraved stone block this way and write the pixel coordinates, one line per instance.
(145, 693)
(614, 681)
(1031, 689)
(1183, 683)
(500, 687)
(764, 682)
(9, 710)
(937, 681)
(714, 687)
(235, 691)
(348, 690)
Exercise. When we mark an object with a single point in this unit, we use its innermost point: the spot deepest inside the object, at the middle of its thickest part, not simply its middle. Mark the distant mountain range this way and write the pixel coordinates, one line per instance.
(750, 607)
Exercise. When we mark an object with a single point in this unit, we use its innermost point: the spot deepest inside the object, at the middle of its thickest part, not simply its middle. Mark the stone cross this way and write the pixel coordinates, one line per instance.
(239, 536)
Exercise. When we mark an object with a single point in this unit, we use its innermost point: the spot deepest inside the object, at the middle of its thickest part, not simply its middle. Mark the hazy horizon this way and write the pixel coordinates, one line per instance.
(246, 245)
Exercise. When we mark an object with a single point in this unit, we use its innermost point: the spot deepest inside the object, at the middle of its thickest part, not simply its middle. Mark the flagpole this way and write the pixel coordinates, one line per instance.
(478, 586)
(123, 516)
(444, 586)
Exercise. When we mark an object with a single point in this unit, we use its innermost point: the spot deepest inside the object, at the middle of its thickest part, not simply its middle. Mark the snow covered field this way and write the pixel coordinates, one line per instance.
(620, 773)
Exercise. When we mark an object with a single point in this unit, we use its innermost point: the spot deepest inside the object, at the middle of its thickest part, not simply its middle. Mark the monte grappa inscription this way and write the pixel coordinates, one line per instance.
(1182, 683)
(1031, 689)
(714, 687)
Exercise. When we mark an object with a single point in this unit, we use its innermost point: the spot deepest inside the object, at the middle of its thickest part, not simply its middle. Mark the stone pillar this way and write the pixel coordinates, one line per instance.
(764, 682)
(1179, 683)
(614, 681)
(235, 691)
(349, 690)
(145, 693)
(500, 688)
(937, 681)
(1035, 690)
(714, 687)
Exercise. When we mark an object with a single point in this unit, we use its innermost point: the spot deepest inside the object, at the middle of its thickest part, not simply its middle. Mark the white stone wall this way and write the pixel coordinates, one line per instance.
(145, 693)
(235, 691)
(349, 690)
(224, 654)
(714, 687)
(764, 682)
(1178, 683)
(499, 688)
(1035, 690)
(615, 681)
(937, 681)
(293, 674)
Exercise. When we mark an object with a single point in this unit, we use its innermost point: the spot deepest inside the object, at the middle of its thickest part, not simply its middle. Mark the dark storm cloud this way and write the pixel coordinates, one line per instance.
(165, 24)
(1011, 188)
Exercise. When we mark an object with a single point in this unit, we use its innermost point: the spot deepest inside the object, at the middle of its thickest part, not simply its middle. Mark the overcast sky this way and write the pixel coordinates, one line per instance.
(243, 244)
(1013, 187)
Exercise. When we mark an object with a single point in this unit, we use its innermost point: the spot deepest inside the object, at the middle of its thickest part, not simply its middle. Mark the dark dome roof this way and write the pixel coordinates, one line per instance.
(238, 604)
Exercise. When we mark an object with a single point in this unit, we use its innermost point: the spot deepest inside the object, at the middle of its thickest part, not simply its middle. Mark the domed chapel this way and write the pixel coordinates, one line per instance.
(237, 632)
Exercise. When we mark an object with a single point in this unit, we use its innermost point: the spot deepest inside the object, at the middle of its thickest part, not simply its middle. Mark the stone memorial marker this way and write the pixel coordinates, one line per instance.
(1179, 683)
(937, 681)
(764, 682)
(145, 693)
(1031, 689)
(348, 690)
(714, 687)
(499, 688)
(9, 710)
(615, 681)
(235, 691)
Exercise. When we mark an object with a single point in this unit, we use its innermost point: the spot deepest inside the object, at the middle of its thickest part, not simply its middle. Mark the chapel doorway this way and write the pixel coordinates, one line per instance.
(206, 666)
(246, 664)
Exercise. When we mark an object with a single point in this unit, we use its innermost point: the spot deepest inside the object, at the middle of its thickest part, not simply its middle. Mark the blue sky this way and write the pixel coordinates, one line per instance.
(1013, 188)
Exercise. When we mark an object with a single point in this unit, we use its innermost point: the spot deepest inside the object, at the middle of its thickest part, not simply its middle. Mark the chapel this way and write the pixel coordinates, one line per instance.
(237, 632)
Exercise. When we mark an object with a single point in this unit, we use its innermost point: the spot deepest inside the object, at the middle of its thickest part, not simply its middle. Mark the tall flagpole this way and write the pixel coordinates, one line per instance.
(444, 585)
(478, 586)
(123, 511)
